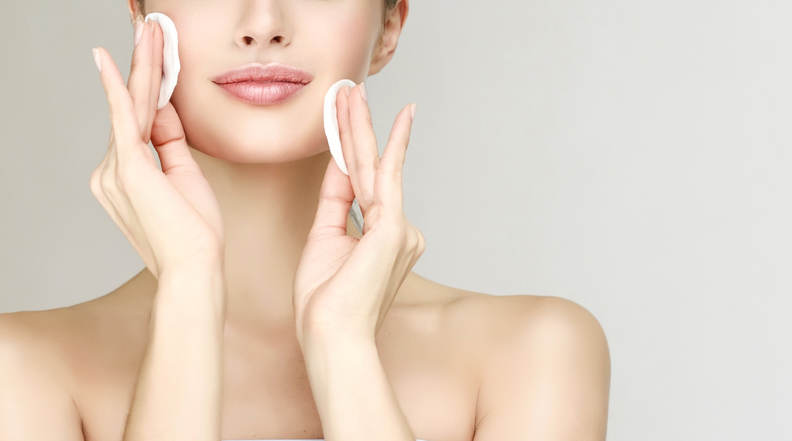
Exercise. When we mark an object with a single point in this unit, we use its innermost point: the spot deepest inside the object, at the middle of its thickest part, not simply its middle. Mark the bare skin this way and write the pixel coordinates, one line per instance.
(463, 365)
(433, 344)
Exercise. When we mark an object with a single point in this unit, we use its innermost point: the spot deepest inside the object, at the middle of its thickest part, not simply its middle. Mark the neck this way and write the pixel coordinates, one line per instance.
(268, 210)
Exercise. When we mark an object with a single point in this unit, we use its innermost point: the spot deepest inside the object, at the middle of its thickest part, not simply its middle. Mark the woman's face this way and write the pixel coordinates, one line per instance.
(331, 39)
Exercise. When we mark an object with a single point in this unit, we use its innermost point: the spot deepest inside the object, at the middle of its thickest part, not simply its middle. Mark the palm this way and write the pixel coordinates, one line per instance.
(182, 171)
(321, 260)
(192, 205)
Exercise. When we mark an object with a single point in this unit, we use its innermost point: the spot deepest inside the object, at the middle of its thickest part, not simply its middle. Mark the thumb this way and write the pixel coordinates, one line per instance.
(167, 137)
(335, 200)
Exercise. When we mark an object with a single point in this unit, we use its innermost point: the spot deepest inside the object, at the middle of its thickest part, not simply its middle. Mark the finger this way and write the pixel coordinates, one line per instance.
(167, 137)
(139, 84)
(156, 70)
(389, 175)
(335, 199)
(347, 148)
(112, 151)
(123, 117)
(345, 134)
(365, 147)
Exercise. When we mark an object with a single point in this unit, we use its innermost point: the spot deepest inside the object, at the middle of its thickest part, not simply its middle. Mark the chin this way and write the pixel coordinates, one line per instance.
(224, 128)
(255, 140)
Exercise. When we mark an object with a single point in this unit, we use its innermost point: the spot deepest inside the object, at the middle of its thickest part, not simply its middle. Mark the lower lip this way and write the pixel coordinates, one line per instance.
(262, 93)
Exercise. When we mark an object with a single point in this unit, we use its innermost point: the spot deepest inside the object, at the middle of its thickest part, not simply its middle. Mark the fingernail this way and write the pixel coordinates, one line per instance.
(346, 89)
(97, 60)
(138, 32)
(363, 91)
(412, 112)
(151, 24)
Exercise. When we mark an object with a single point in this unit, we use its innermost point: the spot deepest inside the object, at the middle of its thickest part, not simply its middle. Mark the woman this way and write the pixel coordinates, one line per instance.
(262, 312)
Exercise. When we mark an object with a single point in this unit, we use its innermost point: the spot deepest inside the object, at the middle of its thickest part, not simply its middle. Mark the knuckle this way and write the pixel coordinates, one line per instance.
(366, 198)
(100, 194)
(103, 178)
(122, 171)
(421, 247)
(395, 234)
(398, 174)
(127, 168)
(122, 177)
(366, 119)
(399, 234)
(355, 124)
(412, 241)
(95, 185)
(134, 65)
(107, 182)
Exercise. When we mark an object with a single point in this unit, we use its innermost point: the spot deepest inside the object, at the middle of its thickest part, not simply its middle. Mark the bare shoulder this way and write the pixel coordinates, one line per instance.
(36, 385)
(37, 338)
(543, 363)
(497, 326)
(503, 321)
(67, 340)
(517, 318)
(55, 363)
(544, 334)
(546, 372)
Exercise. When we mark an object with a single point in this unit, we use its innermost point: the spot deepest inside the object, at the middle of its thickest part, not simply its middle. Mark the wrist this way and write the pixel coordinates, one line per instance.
(191, 284)
(197, 264)
(314, 337)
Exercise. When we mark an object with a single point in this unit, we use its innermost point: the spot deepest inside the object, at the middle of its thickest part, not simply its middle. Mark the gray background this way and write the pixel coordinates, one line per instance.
(632, 156)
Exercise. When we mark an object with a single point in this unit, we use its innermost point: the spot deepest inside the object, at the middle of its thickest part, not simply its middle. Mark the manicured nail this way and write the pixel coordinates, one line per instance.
(151, 23)
(97, 60)
(138, 32)
(412, 112)
(363, 91)
(346, 89)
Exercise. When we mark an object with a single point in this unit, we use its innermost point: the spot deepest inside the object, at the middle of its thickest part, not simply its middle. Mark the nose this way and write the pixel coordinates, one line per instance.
(262, 23)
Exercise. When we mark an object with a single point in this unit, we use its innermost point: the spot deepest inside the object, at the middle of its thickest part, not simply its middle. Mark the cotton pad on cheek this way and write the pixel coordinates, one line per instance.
(331, 122)
(170, 57)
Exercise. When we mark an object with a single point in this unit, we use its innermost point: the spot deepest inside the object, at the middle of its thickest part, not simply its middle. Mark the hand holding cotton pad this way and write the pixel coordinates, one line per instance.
(170, 57)
(331, 122)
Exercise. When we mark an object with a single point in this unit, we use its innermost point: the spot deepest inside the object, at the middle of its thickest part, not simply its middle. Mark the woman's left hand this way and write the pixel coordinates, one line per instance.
(344, 284)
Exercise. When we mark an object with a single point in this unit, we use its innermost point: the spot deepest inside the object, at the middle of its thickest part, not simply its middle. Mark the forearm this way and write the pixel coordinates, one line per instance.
(178, 395)
(354, 397)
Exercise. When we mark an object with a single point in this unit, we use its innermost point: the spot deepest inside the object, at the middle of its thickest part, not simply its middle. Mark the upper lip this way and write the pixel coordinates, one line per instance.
(259, 73)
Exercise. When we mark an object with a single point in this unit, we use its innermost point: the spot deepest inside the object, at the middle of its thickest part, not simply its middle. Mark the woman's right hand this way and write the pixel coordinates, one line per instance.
(172, 216)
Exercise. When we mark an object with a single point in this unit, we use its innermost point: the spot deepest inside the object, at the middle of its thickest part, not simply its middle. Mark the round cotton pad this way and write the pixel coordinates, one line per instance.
(331, 122)
(170, 57)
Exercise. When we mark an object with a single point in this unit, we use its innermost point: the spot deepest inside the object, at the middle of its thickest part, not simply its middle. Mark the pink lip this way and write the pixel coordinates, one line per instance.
(258, 84)
(262, 93)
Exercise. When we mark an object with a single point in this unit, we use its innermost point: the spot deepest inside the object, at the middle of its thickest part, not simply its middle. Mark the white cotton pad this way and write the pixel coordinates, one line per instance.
(170, 57)
(331, 122)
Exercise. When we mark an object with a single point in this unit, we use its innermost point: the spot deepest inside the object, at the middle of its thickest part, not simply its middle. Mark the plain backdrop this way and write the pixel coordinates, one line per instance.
(632, 156)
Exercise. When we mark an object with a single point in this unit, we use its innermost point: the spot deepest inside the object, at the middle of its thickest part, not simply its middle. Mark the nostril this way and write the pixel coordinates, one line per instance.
(248, 40)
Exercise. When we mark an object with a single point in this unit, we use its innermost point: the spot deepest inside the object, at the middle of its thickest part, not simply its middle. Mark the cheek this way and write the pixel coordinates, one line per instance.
(197, 42)
(333, 43)
(342, 43)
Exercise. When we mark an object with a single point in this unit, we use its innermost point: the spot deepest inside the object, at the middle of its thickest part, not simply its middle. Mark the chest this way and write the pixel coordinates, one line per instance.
(267, 394)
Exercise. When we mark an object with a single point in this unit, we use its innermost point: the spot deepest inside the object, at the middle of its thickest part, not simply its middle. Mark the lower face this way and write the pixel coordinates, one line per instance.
(331, 39)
